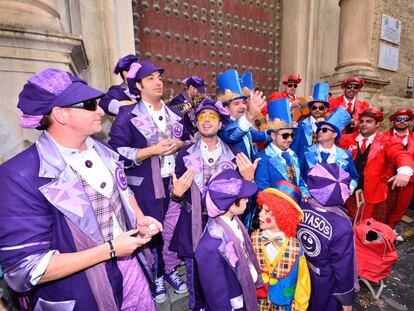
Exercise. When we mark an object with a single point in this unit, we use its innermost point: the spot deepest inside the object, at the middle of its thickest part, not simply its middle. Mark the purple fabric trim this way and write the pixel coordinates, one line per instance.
(212, 209)
(28, 121)
(132, 72)
(19, 274)
(44, 305)
(52, 80)
(242, 269)
(156, 178)
(222, 110)
(136, 293)
(196, 221)
(189, 269)
(171, 217)
(97, 276)
(228, 186)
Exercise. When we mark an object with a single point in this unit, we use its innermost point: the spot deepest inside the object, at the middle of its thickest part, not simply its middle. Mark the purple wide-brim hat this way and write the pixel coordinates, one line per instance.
(48, 89)
(195, 81)
(217, 106)
(146, 69)
(124, 63)
(329, 184)
(223, 189)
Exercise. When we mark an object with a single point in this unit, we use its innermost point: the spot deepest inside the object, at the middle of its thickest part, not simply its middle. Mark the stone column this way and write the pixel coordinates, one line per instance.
(355, 34)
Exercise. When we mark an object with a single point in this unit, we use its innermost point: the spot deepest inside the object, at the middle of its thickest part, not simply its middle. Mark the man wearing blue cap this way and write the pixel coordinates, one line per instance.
(278, 161)
(119, 95)
(196, 163)
(188, 99)
(325, 151)
(147, 135)
(70, 225)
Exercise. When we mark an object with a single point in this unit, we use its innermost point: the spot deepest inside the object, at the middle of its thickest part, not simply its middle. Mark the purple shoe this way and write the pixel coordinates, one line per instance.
(160, 294)
(175, 281)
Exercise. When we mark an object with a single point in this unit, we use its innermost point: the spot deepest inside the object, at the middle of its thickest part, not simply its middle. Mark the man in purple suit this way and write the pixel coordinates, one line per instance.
(70, 225)
(147, 135)
(119, 95)
(195, 164)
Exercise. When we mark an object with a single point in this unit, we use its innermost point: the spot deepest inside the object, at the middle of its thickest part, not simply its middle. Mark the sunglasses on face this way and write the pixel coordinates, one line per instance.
(292, 85)
(325, 130)
(287, 135)
(321, 108)
(402, 119)
(90, 105)
(353, 86)
(202, 116)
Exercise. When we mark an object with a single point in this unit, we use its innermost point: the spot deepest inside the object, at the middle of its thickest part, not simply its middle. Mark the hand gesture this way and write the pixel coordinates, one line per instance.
(168, 146)
(246, 167)
(186, 108)
(399, 180)
(126, 243)
(148, 226)
(255, 104)
(182, 184)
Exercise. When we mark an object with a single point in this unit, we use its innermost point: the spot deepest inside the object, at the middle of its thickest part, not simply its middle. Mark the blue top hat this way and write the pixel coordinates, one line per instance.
(246, 81)
(338, 120)
(279, 115)
(229, 84)
(320, 94)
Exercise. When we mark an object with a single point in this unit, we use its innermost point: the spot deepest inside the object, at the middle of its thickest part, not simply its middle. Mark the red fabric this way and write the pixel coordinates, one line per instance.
(400, 198)
(277, 95)
(339, 101)
(352, 80)
(364, 145)
(378, 211)
(375, 258)
(349, 107)
(384, 152)
(407, 112)
(291, 78)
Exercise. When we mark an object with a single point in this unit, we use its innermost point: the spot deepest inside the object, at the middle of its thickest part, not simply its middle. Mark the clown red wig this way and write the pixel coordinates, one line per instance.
(287, 217)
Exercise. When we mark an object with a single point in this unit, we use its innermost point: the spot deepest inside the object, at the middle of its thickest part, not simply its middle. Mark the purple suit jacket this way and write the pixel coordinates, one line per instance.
(190, 157)
(132, 130)
(328, 240)
(112, 99)
(43, 207)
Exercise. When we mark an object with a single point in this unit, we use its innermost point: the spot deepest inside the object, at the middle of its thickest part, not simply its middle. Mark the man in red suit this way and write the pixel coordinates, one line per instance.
(348, 100)
(373, 152)
(290, 83)
(399, 200)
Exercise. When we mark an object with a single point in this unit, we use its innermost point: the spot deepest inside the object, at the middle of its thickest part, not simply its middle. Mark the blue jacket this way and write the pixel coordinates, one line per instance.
(272, 168)
(232, 134)
(343, 159)
(303, 139)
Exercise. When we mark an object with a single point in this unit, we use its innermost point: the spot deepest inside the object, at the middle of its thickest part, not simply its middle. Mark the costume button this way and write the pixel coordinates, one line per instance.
(265, 278)
(210, 160)
(88, 163)
(103, 185)
(160, 118)
(272, 281)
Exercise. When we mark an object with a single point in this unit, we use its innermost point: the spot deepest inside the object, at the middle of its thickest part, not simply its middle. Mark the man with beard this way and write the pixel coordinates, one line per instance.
(373, 152)
(399, 200)
(147, 135)
(196, 163)
(348, 100)
(290, 83)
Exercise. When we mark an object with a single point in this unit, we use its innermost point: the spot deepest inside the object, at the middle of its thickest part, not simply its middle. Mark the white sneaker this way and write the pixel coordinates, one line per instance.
(398, 237)
(160, 294)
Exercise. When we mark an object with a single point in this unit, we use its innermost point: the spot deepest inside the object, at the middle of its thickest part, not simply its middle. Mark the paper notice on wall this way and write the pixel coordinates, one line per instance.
(390, 29)
(388, 57)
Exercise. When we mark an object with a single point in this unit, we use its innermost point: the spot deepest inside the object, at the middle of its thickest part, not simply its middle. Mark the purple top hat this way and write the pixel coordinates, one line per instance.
(124, 63)
(223, 189)
(329, 184)
(195, 81)
(51, 88)
(139, 71)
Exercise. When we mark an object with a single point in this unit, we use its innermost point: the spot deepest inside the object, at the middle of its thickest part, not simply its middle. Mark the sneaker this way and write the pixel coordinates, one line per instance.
(160, 294)
(398, 237)
(175, 281)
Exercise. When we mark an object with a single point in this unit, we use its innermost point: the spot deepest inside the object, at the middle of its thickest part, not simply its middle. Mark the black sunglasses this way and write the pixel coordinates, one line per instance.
(400, 119)
(325, 130)
(292, 85)
(287, 135)
(353, 86)
(90, 105)
(321, 108)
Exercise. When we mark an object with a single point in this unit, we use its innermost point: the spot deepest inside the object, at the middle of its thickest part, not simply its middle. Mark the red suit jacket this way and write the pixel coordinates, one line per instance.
(410, 145)
(339, 101)
(384, 153)
(279, 95)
